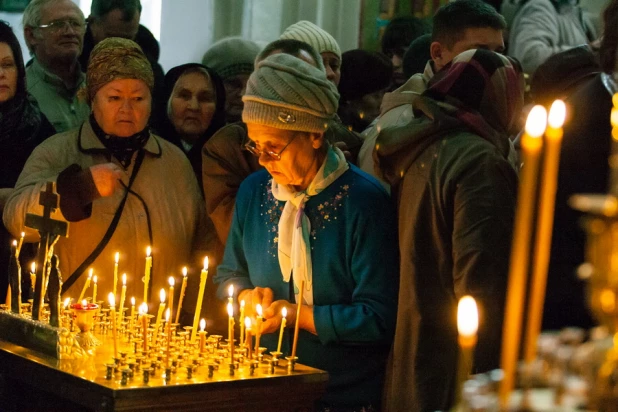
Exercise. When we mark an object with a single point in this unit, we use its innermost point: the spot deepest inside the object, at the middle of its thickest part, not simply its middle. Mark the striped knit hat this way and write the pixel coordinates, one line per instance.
(309, 33)
(285, 92)
(231, 56)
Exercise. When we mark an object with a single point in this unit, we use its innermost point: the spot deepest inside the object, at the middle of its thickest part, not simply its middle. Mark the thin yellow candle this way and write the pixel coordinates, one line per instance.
(123, 294)
(202, 335)
(159, 316)
(182, 292)
(258, 327)
(170, 294)
(116, 260)
(147, 272)
(19, 245)
(241, 338)
(297, 323)
(230, 291)
(86, 285)
(230, 312)
(168, 334)
(94, 289)
(33, 275)
(531, 149)
(284, 313)
(467, 326)
(248, 340)
(200, 297)
(143, 311)
(132, 320)
(545, 224)
(112, 307)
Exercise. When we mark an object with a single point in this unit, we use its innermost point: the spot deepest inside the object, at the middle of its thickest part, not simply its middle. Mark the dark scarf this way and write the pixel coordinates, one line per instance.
(20, 120)
(122, 148)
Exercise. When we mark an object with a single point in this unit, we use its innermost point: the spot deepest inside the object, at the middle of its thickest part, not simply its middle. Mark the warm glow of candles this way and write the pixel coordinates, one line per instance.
(200, 298)
(182, 292)
(143, 312)
(159, 316)
(248, 340)
(531, 150)
(112, 304)
(258, 327)
(202, 335)
(241, 338)
(123, 294)
(284, 313)
(545, 224)
(33, 275)
(467, 326)
(94, 289)
(230, 313)
(170, 294)
(147, 272)
(86, 285)
(116, 260)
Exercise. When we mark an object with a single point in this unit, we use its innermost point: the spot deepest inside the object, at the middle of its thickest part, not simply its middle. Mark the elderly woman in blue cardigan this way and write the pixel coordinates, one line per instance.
(311, 217)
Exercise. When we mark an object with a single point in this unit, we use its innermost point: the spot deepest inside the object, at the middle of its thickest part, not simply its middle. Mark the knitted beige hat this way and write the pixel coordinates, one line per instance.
(231, 56)
(318, 38)
(285, 92)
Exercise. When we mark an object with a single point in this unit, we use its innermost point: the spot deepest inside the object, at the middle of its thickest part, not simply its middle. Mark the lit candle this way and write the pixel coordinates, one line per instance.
(168, 334)
(545, 223)
(297, 323)
(21, 242)
(230, 292)
(613, 161)
(182, 292)
(170, 294)
(258, 327)
(116, 260)
(230, 312)
(248, 340)
(284, 313)
(112, 304)
(202, 335)
(200, 297)
(132, 320)
(123, 293)
(159, 316)
(531, 149)
(86, 285)
(143, 311)
(147, 272)
(94, 289)
(467, 326)
(33, 275)
(241, 339)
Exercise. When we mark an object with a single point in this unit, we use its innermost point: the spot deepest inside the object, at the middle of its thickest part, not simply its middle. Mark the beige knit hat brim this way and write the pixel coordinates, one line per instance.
(283, 116)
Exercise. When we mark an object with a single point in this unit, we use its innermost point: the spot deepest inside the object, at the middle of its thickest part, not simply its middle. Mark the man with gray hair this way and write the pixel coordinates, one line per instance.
(54, 32)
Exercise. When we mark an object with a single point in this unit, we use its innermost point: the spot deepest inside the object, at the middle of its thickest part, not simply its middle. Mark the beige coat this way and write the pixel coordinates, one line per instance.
(169, 189)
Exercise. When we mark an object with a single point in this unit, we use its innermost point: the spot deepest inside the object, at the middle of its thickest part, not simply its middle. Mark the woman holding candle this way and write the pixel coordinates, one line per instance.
(313, 217)
(113, 169)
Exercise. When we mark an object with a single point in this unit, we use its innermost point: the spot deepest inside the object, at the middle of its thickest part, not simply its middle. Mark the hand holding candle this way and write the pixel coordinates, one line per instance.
(200, 298)
(86, 285)
(182, 292)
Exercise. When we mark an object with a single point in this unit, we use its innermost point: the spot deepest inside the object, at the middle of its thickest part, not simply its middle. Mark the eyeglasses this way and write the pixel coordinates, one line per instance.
(253, 149)
(62, 25)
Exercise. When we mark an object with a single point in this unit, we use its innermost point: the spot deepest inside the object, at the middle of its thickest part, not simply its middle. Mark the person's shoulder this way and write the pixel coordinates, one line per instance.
(230, 135)
(364, 191)
(254, 181)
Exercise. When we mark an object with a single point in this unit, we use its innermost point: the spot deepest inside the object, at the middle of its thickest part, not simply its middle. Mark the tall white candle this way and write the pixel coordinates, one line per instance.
(182, 292)
(112, 304)
(159, 315)
(170, 294)
(122, 296)
(116, 260)
(147, 272)
(284, 313)
(200, 297)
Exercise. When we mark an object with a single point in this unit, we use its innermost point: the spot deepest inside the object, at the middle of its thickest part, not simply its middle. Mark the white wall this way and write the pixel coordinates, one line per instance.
(14, 19)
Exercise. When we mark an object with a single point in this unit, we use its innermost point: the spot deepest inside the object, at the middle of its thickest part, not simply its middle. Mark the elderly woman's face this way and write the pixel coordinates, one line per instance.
(300, 157)
(122, 107)
(192, 105)
(8, 73)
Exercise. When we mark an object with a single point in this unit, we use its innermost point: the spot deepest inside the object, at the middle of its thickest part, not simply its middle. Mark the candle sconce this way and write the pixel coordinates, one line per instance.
(84, 320)
(601, 273)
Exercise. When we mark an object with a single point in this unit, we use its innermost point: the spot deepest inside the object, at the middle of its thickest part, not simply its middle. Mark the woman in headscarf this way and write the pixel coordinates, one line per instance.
(312, 218)
(22, 128)
(121, 187)
(194, 110)
(451, 171)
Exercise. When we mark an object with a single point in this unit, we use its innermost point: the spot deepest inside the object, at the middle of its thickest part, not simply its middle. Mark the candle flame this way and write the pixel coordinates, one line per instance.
(90, 273)
(124, 279)
(557, 114)
(258, 309)
(148, 251)
(23, 234)
(536, 122)
(66, 302)
(84, 303)
(162, 295)
(112, 299)
(167, 315)
(248, 323)
(143, 308)
(284, 312)
(184, 271)
(467, 316)
(33, 267)
(206, 263)
(171, 281)
(132, 301)
(242, 303)
(14, 242)
(202, 324)
(230, 310)
(230, 291)
(94, 279)
(117, 257)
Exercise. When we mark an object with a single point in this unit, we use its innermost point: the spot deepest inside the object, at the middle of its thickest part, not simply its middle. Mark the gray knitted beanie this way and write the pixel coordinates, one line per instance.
(314, 35)
(285, 92)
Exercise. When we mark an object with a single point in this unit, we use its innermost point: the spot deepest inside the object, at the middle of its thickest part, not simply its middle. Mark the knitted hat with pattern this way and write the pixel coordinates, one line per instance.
(285, 92)
(231, 56)
(309, 33)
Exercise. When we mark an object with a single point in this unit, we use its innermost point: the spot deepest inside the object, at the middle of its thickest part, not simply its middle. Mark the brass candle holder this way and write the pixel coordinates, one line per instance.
(84, 319)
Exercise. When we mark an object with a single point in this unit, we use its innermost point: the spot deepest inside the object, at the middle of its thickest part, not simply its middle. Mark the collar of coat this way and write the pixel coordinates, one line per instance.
(88, 142)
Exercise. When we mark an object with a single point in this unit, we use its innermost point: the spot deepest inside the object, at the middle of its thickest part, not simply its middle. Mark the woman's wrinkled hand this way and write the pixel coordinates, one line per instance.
(106, 178)
(253, 297)
(273, 316)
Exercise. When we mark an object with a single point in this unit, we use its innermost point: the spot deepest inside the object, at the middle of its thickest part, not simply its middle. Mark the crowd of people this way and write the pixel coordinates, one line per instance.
(373, 189)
